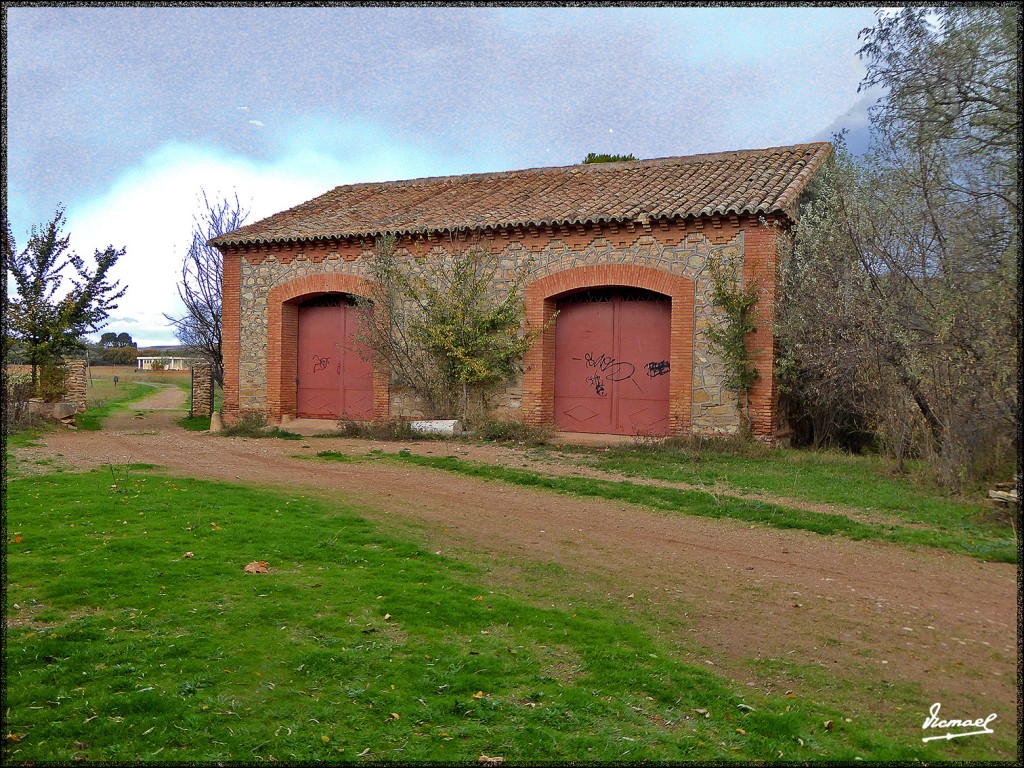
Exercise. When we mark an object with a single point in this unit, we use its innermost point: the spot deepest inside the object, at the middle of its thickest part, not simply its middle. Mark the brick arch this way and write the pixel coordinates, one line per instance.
(539, 362)
(282, 338)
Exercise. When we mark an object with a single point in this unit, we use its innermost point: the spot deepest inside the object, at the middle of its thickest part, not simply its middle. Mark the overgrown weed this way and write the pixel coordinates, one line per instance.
(508, 431)
(254, 425)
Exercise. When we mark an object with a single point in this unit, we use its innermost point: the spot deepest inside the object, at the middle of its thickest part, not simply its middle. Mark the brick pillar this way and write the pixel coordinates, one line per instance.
(74, 384)
(202, 390)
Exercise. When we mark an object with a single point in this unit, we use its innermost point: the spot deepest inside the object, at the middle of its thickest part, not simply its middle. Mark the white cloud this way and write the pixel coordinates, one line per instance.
(149, 209)
(149, 212)
(257, 123)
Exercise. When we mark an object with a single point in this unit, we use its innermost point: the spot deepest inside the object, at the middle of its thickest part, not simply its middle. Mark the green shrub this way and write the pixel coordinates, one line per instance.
(52, 382)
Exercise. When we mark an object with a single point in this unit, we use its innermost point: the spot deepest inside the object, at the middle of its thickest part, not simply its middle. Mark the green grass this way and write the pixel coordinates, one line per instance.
(864, 482)
(95, 412)
(359, 644)
(986, 543)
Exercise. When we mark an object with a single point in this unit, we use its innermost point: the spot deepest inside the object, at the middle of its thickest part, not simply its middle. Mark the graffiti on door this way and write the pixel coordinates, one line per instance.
(657, 368)
(608, 370)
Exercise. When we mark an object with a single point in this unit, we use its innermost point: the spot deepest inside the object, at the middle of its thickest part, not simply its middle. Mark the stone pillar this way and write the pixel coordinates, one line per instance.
(202, 390)
(74, 384)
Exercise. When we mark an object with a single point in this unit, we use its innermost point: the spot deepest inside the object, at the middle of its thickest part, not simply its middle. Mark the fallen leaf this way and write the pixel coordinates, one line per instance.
(394, 716)
(188, 555)
(257, 566)
(478, 695)
(485, 760)
(387, 616)
(828, 725)
(741, 732)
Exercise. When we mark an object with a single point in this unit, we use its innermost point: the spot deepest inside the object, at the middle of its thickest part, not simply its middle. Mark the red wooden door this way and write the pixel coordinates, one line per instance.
(333, 381)
(611, 362)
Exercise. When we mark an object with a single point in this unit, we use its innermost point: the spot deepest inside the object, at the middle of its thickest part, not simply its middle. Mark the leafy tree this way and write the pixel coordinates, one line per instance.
(951, 76)
(442, 328)
(200, 288)
(46, 321)
(122, 355)
(899, 310)
(110, 340)
(593, 157)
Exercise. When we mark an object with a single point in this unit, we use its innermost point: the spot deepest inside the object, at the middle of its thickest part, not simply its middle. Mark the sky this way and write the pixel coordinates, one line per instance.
(125, 115)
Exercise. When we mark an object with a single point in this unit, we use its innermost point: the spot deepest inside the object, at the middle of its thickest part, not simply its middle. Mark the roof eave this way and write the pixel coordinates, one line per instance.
(758, 211)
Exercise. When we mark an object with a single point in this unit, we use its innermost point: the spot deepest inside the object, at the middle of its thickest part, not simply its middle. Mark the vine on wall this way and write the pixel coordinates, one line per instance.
(728, 340)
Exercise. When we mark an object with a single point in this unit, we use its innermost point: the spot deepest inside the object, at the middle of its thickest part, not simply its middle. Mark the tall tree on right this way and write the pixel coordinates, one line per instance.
(899, 311)
(201, 285)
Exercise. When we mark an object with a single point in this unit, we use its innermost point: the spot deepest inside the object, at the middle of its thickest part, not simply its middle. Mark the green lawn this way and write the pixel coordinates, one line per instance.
(863, 482)
(134, 634)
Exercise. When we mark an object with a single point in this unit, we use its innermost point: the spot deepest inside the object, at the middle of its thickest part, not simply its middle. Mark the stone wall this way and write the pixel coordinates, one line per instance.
(678, 249)
(75, 383)
(202, 390)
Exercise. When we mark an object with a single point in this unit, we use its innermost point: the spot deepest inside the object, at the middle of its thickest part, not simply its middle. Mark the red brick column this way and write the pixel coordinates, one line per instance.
(231, 331)
(761, 242)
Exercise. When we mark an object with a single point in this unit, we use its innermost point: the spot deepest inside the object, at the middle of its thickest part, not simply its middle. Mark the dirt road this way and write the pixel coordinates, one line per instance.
(869, 611)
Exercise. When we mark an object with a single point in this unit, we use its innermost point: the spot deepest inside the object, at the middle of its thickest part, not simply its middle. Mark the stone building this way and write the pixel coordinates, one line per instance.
(619, 250)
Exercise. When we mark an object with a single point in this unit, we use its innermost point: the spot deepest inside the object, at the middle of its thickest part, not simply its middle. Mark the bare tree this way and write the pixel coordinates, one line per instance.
(200, 289)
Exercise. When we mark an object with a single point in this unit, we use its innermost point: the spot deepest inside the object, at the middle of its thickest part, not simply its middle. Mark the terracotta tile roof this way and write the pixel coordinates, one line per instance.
(756, 181)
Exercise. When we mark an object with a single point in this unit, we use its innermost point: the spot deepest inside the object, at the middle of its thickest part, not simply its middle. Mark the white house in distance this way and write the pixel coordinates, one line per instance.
(160, 359)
